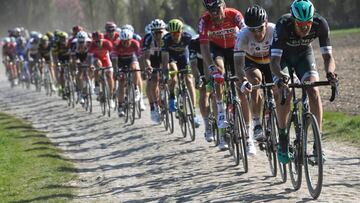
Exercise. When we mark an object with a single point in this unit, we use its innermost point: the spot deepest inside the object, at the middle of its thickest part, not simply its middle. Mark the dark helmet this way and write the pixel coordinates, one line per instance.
(76, 29)
(110, 27)
(255, 16)
(213, 4)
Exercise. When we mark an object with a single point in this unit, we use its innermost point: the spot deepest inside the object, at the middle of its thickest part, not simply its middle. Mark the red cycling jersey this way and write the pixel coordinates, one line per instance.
(124, 52)
(223, 34)
(103, 52)
(112, 39)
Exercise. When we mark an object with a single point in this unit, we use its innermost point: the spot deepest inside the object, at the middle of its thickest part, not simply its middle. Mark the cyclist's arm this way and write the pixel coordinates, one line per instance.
(325, 46)
(275, 66)
(207, 61)
(329, 63)
(239, 63)
(147, 58)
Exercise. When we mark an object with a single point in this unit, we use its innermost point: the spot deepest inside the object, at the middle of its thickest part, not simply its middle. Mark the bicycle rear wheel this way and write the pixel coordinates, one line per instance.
(313, 157)
(295, 169)
(131, 103)
(241, 137)
(107, 99)
(190, 115)
(271, 132)
(212, 120)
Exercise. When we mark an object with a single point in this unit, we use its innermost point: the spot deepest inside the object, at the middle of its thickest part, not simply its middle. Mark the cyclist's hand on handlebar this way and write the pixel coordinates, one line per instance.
(92, 67)
(283, 82)
(332, 78)
(245, 87)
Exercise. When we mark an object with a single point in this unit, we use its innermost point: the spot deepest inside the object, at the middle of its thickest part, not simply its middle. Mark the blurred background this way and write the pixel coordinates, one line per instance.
(47, 15)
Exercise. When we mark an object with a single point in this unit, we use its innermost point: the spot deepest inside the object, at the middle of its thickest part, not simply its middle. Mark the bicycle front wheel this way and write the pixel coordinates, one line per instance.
(271, 132)
(190, 116)
(313, 156)
(241, 133)
(294, 133)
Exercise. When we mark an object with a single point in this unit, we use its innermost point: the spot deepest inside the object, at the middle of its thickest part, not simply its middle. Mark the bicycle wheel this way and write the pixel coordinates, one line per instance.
(46, 86)
(241, 134)
(313, 159)
(72, 92)
(294, 132)
(103, 100)
(131, 104)
(182, 114)
(138, 109)
(271, 132)
(169, 114)
(274, 138)
(189, 115)
(107, 99)
(212, 120)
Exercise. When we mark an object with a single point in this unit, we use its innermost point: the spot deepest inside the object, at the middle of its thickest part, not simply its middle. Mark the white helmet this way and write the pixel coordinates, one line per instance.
(128, 26)
(81, 36)
(126, 34)
(157, 24)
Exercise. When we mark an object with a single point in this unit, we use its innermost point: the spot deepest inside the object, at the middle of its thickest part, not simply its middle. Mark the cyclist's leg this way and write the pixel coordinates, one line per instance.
(152, 90)
(110, 80)
(306, 70)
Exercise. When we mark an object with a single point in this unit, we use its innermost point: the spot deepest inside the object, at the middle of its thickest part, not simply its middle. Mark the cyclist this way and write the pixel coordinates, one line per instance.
(127, 51)
(251, 56)
(200, 81)
(32, 51)
(80, 56)
(9, 56)
(111, 34)
(175, 55)
(152, 56)
(21, 54)
(61, 54)
(46, 54)
(291, 47)
(100, 50)
(217, 29)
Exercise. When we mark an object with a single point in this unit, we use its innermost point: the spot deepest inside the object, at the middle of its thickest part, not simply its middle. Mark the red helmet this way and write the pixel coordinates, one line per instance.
(110, 27)
(97, 36)
(76, 29)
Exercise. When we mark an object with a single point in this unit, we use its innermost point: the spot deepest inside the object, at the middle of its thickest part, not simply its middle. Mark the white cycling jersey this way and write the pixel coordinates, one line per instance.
(32, 47)
(246, 45)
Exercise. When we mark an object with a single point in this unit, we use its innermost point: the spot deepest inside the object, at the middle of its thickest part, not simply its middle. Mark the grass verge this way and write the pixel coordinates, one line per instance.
(336, 33)
(30, 166)
(342, 127)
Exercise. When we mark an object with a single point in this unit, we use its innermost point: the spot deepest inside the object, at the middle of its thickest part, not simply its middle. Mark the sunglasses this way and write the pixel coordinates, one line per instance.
(303, 24)
(214, 10)
(175, 33)
(257, 29)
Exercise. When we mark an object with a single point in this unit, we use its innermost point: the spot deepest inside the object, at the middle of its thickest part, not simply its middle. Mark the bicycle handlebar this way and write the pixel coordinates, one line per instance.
(306, 84)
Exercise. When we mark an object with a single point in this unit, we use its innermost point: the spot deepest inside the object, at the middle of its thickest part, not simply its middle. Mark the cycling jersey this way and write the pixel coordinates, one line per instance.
(102, 53)
(113, 38)
(178, 52)
(81, 53)
(247, 45)
(154, 49)
(31, 47)
(126, 52)
(286, 40)
(222, 34)
(62, 52)
(45, 52)
(9, 49)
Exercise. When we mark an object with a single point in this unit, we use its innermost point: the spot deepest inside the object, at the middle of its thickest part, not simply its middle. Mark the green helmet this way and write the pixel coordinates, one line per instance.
(175, 25)
(302, 10)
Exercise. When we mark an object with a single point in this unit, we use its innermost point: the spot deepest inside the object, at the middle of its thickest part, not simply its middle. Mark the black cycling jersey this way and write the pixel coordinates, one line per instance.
(176, 49)
(286, 40)
(149, 44)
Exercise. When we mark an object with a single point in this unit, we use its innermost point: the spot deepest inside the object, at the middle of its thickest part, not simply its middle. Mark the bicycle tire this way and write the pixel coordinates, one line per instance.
(271, 132)
(295, 168)
(242, 140)
(212, 121)
(181, 111)
(132, 104)
(314, 183)
(190, 116)
(107, 99)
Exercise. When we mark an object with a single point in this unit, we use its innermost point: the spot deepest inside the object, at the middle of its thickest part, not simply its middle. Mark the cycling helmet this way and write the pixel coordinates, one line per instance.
(50, 35)
(34, 34)
(157, 24)
(110, 27)
(7, 40)
(81, 36)
(17, 31)
(175, 25)
(302, 10)
(63, 35)
(255, 16)
(96, 36)
(213, 4)
(21, 41)
(126, 34)
(128, 26)
(44, 38)
(76, 29)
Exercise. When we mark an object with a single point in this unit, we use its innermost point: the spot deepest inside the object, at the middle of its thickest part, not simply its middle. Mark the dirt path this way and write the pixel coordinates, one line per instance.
(143, 163)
